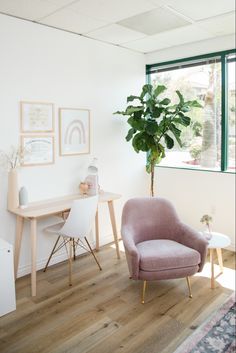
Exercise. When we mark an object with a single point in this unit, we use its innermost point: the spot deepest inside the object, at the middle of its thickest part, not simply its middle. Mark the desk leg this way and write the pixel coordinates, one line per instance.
(113, 223)
(33, 230)
(19, 231)
(220, 259)
(97, 230)
(212, 268)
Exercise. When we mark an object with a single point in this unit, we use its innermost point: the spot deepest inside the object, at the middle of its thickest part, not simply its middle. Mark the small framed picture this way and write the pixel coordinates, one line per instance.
(36, 117)
(74, 131)
(37, 150)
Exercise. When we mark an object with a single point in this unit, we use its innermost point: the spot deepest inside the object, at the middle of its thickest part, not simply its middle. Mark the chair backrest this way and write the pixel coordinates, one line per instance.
(81, 217)
(149, 218)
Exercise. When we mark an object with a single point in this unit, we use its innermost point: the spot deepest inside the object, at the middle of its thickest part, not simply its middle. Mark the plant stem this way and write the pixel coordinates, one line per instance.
(152, 179)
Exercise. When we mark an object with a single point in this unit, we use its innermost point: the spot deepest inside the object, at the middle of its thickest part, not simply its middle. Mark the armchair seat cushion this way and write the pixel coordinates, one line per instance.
(164, 254)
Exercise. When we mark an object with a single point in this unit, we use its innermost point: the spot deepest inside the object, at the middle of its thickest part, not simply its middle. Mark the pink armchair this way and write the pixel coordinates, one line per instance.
(157, 244)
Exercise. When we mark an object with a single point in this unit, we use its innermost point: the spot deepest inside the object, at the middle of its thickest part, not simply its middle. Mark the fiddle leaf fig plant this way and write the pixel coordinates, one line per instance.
(156, 123)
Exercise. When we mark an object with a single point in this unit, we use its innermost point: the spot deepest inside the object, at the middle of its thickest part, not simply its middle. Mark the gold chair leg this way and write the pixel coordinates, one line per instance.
(189, 287)
(70, 261)
(50, 256)
(143, 292)
(92, 252)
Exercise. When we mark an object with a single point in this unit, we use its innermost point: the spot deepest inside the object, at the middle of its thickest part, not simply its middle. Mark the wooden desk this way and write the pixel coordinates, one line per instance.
(57, 206)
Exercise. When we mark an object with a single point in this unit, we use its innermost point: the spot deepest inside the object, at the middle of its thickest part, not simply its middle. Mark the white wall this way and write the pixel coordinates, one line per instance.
(38, 63)
(195, 193)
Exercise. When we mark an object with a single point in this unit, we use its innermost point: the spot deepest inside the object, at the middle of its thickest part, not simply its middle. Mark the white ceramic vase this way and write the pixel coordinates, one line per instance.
(23, 197)
(13, 192)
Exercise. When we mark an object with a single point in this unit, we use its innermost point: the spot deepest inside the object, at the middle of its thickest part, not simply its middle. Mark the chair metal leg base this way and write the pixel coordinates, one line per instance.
(189, 287)
(52, 253)
(71, 243)
(143, 292)
(92, 252)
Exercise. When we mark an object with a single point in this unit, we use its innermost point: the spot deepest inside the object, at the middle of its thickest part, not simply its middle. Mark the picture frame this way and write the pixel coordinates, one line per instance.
(36, 117)
(37, 150)
(74, 131)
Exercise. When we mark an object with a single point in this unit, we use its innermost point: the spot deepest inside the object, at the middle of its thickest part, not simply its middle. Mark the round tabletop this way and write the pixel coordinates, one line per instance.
(218, 240)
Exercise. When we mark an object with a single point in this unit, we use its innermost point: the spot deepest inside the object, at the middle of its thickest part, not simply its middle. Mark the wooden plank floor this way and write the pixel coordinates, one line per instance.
(101, 312)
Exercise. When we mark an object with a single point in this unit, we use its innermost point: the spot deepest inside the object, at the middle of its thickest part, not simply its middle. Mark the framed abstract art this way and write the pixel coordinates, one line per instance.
(74, 131)
(36, 117)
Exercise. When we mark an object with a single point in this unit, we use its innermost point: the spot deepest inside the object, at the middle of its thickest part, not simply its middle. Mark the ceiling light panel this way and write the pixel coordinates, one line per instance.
(115, 34)
(201, 9)
(28, 9)
(112, 10)
(156, 21)
(71, 21)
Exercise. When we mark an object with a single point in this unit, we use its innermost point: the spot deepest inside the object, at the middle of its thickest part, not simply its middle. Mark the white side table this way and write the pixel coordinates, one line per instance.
(217, 242)
(7, 280)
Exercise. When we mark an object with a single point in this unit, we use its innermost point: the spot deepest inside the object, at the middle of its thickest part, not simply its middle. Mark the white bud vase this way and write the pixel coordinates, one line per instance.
(23, 197)
(13, 193)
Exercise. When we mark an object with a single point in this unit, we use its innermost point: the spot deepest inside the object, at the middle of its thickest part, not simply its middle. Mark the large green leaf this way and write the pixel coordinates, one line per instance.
(137, 124)
(151, 127)
(185, 108)
(165, 101)
(181, 98)
(176, 132)
(183, 120)
(138, 114)
(194, 104)
(157, 111)
(140, 142)
(130, 134)
(150, 103)
(169, 141)
(159, 89)
(146, 89)
(120, 113)
(131, 109)
(132, 98)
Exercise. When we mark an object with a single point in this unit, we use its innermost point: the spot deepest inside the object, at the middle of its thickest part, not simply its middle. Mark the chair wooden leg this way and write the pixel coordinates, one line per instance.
(212, 269)
(74, 250)
(189, 287)
(70, 261)
(220, 259)
(92, 252)
(49, 259)
(143, 292)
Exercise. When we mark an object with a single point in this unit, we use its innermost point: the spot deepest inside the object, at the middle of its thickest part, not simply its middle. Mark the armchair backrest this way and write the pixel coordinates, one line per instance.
(149, 218)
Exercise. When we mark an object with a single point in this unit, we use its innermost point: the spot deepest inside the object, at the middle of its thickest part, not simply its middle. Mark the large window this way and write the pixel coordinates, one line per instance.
(209, 141)
(231, 59)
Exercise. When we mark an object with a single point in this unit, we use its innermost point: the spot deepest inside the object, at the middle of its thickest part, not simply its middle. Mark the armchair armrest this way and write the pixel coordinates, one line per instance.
(191, 238)
(131, 252)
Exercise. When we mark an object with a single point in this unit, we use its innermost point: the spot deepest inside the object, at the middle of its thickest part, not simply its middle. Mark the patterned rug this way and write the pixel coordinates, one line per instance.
(217, 335)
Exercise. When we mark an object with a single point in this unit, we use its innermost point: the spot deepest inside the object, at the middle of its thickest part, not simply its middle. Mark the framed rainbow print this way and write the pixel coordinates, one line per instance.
(74, 131)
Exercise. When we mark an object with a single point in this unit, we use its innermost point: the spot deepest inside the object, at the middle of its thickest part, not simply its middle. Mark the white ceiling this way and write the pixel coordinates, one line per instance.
(140, 25)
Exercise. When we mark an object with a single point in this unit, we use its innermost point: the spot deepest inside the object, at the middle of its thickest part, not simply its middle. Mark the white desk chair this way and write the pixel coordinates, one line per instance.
(75, 229)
